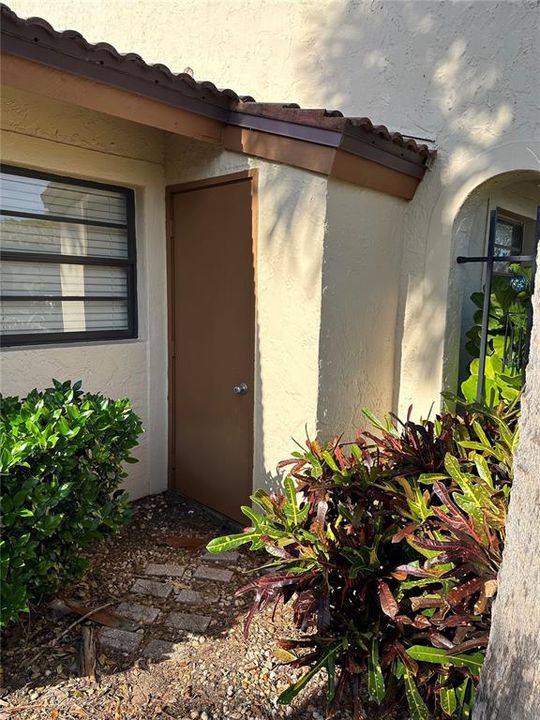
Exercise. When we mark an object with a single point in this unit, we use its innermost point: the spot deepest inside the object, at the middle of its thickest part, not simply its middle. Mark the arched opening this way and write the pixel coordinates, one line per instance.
(495, 238)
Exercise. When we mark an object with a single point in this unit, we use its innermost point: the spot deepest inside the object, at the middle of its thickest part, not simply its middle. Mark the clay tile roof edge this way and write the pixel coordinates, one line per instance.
(35, 39)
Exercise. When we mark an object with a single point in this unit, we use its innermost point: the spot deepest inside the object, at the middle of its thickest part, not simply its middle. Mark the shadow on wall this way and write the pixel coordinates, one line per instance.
(448, 72)
(292, 208)
(424, 68)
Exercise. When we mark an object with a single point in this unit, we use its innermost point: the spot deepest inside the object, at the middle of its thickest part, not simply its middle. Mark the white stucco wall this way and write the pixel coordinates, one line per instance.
(463, 74)
(58, 138)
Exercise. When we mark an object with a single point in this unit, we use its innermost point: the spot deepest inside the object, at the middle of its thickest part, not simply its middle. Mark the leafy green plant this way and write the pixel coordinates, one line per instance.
(388, 549)
(508, 328)
(61, 463)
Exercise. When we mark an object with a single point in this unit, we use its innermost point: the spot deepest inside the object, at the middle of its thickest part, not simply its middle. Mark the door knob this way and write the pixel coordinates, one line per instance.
(240, 389)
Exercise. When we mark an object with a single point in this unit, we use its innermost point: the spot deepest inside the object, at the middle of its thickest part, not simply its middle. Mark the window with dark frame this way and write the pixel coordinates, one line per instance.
(68, 264)
(508, 239)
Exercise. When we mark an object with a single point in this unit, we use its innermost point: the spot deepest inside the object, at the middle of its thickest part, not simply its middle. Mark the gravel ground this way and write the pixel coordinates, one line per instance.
(213, 676)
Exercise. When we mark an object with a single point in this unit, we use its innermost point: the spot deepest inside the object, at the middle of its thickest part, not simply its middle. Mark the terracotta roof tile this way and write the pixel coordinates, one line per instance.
(71, 42)
(35, 39)
(331, 120)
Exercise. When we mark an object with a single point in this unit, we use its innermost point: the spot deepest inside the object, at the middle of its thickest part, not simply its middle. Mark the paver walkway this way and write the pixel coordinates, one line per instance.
(153, 626)
(149, 667)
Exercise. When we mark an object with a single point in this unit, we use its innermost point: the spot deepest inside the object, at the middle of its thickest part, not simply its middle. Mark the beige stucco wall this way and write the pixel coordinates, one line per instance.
(359, 337)
(291, 210)
(463, 74)
(58, 138)
(327, 274)
(447, 71)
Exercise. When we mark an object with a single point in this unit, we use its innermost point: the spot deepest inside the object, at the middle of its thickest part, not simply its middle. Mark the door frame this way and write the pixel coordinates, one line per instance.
(170, 191)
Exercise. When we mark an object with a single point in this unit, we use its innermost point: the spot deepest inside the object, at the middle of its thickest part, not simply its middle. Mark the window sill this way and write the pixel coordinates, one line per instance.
(68, 345)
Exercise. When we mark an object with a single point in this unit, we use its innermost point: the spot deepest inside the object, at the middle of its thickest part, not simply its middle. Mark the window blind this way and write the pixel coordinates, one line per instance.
(67, 251)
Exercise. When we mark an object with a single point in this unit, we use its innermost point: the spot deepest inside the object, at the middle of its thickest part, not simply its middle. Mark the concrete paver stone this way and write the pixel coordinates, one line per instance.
(162, 650)
(204, 572)
(227, 556)
(155, 588)
(188, 621)
(192, 596)
(139, 613)
(168, 569)
(122, 640)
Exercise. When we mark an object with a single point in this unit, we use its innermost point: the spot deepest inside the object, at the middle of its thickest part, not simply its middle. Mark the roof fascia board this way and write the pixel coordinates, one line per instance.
(369, 174)
(365, 145)
(281, 149)
(59, 85)
(331, 162)
(370, 148)
(160, 89)
(319, 136)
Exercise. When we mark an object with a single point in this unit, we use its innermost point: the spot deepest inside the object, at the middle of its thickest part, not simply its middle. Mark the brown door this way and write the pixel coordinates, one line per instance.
(213, 328)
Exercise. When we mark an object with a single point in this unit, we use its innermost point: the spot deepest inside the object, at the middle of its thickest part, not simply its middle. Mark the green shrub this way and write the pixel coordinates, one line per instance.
(388, 549)
(61, 464)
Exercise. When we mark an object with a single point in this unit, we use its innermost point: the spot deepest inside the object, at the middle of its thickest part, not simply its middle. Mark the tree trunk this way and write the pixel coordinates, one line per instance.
(510, 681)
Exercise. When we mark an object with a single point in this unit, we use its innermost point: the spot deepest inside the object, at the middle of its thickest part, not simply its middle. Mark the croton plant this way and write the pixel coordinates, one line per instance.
(387, 549)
